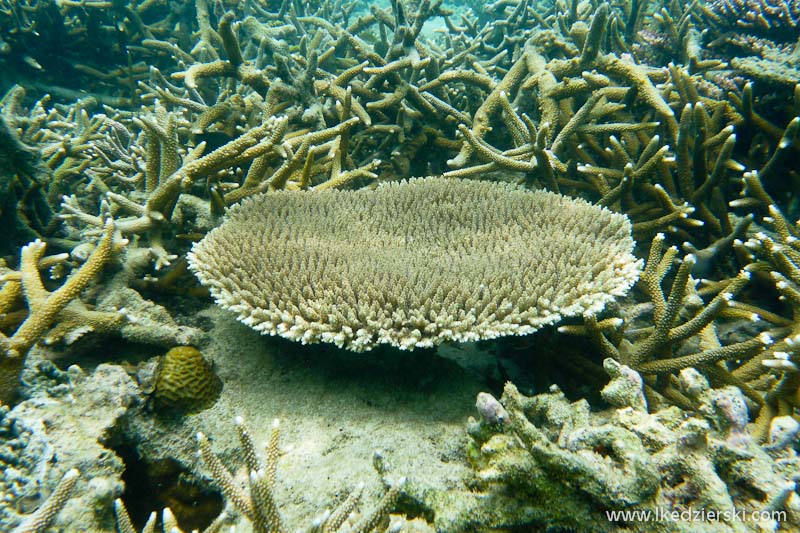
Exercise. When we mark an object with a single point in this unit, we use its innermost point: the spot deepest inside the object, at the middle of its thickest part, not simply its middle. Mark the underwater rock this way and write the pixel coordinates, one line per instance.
(185, 381)
(783, 432)
(490, 409)
(52, 433)
(625, 388)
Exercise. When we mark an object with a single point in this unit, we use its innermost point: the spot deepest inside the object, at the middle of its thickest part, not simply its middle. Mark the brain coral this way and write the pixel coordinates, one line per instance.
(414, 263)
(185, 381)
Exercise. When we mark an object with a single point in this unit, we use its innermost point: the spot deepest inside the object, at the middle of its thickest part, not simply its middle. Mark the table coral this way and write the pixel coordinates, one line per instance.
(414, 264)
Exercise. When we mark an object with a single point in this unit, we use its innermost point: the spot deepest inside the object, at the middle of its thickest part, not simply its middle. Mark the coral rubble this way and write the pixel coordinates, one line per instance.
(58, 433)
(556, 463)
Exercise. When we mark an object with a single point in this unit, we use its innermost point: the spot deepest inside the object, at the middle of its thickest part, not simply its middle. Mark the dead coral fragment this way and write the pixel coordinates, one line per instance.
(414, 264)
(185, 381)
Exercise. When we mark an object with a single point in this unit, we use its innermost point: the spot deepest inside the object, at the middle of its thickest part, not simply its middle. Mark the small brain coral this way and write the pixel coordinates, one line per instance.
(414, 263)
(185, 381)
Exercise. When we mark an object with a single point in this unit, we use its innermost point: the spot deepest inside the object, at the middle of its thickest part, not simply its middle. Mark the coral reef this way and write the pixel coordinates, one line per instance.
(414, 264)
(141, 122)
(553, 100)
(556, 463)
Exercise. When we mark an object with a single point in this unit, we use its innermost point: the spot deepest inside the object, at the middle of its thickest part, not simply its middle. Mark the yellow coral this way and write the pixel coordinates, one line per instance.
(185, 381)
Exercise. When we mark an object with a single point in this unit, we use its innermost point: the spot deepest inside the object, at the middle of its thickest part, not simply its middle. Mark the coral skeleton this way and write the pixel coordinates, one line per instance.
(558, 463)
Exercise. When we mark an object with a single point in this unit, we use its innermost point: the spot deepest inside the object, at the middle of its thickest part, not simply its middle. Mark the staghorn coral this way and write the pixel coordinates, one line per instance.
(775, 19)
(185, 381)
(59, 308)
(776, 266)
(260, 507)
(730, 328)
(93, 39)
(414, 264)
(665, 162)
(678, 314)
(40, 520)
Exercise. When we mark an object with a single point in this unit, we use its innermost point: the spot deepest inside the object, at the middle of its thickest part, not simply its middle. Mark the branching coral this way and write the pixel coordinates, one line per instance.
(776, 19)
(776, 257)
(684, 333)
(260, 505)
(45, 308)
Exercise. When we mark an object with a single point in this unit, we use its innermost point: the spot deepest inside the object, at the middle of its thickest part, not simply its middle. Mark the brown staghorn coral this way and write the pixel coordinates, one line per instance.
(48, 311)
(775, 19)
(776, 266)
(414, 264)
